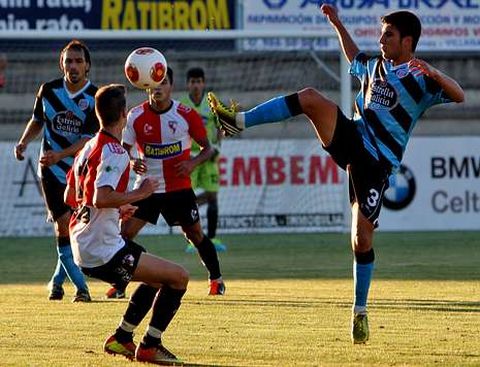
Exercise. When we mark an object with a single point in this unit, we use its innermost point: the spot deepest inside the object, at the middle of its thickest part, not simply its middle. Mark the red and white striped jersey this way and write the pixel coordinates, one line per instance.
(95, 233)
(163, 140)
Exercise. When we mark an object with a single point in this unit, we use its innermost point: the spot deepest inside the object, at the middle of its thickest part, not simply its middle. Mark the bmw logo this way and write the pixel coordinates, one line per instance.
(274, 4)
(401, 191)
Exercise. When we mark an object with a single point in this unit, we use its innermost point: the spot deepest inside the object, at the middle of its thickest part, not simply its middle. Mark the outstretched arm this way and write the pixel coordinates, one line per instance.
(350, 49)
(451, 88)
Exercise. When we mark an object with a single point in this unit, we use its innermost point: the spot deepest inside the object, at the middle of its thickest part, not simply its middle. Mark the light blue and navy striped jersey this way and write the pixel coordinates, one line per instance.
(390, 102)
(66, 118)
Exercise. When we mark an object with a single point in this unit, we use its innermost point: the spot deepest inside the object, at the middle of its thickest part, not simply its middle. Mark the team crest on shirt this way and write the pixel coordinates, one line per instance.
(172, 124)
(401, 73)
(83, 104)
(147, 129)
(381, 96)
(162, 151)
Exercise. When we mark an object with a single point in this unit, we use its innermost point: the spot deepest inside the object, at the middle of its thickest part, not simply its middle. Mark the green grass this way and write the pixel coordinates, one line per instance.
(288, 304)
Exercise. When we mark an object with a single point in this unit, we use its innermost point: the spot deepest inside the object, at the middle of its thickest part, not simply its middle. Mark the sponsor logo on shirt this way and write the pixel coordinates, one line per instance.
(162, 151)
(66, 122)
(381, 96)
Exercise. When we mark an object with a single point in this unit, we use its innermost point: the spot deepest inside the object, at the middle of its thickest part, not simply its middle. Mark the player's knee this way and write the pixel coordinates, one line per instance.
(194, 236)
(362, 242)
(181, 278)
(309, 97)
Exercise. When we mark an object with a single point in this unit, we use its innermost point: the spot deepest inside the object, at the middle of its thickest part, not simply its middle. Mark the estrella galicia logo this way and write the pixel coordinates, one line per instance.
(275, 4)
(401, 191)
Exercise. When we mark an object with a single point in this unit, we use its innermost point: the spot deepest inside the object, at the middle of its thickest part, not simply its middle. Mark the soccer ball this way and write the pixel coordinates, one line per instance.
(145, 68)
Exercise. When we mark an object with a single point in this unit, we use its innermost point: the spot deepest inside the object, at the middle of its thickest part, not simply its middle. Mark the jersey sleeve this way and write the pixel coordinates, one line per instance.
(113, 163)
(38, 113)
(196, 128)
(128, 135)
(358, 67)
(435, 93)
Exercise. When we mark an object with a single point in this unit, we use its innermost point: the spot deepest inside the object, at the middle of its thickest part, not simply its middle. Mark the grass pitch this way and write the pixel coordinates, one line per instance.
(288, 303)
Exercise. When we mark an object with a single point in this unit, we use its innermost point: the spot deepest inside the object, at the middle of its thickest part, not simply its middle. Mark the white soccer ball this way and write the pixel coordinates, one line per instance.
(145, 68)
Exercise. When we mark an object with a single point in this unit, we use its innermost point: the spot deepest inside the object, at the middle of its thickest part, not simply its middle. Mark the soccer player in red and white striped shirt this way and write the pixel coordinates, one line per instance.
(162, 130)
(96, 188)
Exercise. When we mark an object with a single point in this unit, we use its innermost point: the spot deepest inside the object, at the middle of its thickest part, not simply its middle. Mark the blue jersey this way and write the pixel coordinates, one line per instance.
(390, 102)
(66, 119)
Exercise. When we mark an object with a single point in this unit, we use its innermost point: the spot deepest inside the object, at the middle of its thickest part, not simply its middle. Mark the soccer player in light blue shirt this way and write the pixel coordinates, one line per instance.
(396, 88)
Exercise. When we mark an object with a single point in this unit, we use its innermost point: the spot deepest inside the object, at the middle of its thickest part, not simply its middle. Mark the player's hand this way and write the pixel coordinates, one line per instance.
(331, 13)
(20, 148)
(418, 67)
(50, 158)
(184, 168)
(139, 166)
(149, 186)
(126, 211)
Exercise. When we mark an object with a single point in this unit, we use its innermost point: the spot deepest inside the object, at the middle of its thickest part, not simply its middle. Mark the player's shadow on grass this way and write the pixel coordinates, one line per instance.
(406, 304)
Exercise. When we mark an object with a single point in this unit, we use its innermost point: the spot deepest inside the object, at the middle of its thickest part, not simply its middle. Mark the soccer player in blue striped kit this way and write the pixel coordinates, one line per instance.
(396, 88)
(65, 110)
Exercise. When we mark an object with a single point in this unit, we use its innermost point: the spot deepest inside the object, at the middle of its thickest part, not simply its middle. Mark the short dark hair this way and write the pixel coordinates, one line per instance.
(170, 74)
(110, 103)
(77, 45)
(195, 73)
(407, 24)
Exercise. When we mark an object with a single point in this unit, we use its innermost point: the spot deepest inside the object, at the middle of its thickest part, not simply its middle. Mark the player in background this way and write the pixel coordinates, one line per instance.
(162, 130)
(97, 189)
(65, 110)
(396, 88)
(206, 175)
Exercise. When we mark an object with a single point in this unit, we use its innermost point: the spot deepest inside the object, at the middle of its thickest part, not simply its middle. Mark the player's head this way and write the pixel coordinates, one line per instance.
(400, 34)
(195, 81)
(163, 93)
(75, 61)
(111, 105)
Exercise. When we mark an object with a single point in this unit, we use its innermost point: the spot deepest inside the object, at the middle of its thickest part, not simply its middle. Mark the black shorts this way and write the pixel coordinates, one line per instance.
(178, 208)
(53, 191)
(120, 269)
(368, 177)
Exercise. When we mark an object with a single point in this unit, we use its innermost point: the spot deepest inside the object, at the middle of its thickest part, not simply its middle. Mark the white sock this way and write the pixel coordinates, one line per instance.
(154, 332)
(359, 310)
(127, 326)
(240, 119)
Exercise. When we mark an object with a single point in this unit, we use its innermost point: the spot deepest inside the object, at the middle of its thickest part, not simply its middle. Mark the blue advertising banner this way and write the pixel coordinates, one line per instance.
(72, 15)
(447, 24)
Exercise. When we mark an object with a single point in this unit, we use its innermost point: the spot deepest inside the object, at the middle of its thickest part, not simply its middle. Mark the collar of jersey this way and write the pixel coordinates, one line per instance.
(162, 111)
